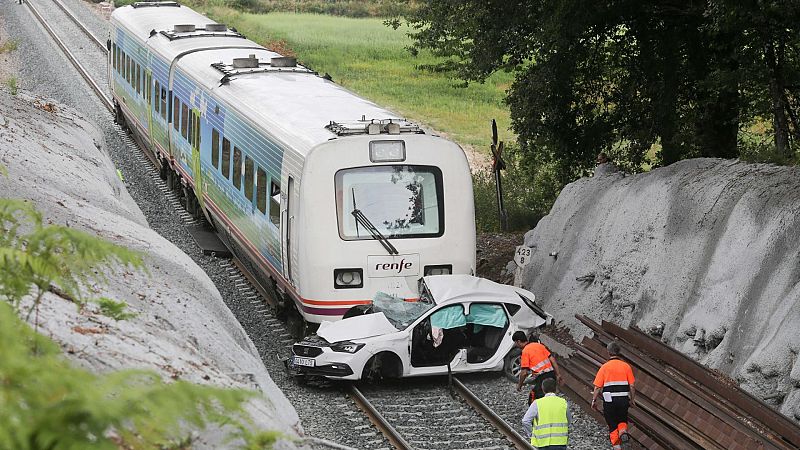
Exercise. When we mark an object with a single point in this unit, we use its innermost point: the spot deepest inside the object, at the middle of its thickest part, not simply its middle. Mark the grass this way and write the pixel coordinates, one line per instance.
(370, 59)
(9, 46)
(12, 85)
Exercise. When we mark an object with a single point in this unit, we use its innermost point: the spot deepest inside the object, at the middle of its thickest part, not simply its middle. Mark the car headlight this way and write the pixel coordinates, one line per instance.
(444, 269)
(346, 347)
(347, 278)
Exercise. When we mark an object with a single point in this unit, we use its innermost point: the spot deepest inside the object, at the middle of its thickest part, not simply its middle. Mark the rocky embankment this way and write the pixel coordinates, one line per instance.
(704, 253)
(182, 329)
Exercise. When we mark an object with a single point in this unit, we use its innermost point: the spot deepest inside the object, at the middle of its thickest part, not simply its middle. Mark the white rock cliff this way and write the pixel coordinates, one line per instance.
(704, 253)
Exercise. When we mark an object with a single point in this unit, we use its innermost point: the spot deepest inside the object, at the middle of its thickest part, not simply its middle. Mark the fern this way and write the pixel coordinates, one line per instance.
(114, 309)
(52, 256)
(47, 404)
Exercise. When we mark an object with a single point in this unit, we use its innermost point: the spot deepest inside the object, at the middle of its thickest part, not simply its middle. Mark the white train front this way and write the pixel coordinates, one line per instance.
(329, 195)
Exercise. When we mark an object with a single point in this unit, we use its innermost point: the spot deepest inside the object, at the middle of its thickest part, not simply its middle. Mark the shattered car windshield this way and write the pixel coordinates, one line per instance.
(401, 313)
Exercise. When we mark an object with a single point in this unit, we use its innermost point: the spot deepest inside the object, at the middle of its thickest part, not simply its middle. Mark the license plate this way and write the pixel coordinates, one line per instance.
(306, 362)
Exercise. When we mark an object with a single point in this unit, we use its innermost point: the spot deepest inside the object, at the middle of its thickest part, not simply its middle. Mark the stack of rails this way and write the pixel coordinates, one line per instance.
(679, 403)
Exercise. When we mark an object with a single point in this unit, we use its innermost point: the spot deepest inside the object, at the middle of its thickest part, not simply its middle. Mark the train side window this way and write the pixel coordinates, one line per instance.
(226, 158)
(130, 70)
(157, 104)
(237, 167)
(184, 120)
(190, 128)
(261, 190)
(126, 68)
(176, 113)
(164, 103)
(248, 178)
(275, 203)
(215, 148)
(138, 79)
(114, 56)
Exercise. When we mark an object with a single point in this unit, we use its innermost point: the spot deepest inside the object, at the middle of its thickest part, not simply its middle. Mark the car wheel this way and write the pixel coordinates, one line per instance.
(512, 364)
(372, 370)
(383, 365)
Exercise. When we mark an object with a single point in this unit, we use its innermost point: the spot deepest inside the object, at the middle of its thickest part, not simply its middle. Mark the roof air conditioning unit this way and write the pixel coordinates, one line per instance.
(283, 61)
(217, 27)
(251, 62)
(184, 28)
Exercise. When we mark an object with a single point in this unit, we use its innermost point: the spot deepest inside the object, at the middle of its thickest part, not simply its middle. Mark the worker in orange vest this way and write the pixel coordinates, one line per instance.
(536, 361)
(615, 380)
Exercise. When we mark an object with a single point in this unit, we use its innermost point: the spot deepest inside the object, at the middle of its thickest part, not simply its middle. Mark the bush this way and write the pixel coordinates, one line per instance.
(528, 194)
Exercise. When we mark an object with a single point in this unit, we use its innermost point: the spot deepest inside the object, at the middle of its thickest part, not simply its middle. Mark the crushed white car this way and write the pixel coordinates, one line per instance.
(459, 321)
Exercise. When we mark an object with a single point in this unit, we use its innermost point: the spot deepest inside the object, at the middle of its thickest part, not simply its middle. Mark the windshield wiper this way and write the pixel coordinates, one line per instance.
(363, 220)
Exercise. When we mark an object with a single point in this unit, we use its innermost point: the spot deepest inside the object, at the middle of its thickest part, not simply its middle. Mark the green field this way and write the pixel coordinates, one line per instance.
(370, 58)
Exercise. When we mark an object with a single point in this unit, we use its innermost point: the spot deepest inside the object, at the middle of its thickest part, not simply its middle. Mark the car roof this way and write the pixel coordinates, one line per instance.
(465, 288)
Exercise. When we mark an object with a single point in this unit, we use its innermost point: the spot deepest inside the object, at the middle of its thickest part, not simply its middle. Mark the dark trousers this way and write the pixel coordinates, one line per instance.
(552, 447)
(616, 412)
(537, 391)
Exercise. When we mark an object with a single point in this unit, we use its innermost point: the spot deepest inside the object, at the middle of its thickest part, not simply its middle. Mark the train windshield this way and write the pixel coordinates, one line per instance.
(401, 201)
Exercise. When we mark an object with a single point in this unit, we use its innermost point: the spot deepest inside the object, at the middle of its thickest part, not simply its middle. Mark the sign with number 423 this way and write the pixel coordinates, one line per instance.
(522, 256)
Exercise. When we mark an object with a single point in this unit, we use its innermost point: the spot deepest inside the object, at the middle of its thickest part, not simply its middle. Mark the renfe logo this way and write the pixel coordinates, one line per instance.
(393, 266)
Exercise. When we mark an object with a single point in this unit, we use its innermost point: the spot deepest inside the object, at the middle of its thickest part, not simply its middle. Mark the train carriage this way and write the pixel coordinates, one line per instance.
(329, 195)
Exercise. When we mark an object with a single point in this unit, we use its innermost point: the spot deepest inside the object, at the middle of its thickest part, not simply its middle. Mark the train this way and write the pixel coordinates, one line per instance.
(330, 197)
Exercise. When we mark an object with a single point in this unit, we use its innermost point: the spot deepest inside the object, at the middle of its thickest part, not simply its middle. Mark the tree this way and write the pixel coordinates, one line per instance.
(767, 41)
(624, 77)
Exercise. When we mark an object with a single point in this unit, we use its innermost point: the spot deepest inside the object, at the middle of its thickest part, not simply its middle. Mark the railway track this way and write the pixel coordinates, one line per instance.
(81, 61)
(680, 404)
(427, 414)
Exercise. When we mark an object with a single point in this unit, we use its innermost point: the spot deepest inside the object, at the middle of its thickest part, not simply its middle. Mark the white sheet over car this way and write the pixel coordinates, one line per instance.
(358, 327)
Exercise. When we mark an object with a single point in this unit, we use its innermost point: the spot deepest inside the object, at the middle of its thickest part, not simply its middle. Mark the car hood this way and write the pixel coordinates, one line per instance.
(358, 327)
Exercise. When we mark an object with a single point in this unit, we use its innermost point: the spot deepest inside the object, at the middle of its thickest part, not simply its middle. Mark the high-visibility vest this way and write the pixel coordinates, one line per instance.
(615, 378)
(536, 357)
(550, 426)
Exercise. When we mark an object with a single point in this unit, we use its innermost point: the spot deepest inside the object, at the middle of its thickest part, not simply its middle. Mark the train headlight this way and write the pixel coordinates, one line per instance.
(348, 278)
(443, 269)
(346, 347)
(387, 151)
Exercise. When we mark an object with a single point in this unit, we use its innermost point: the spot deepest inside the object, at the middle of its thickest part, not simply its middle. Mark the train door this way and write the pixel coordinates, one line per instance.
(194, 123)
(148, 95)
(286, 231)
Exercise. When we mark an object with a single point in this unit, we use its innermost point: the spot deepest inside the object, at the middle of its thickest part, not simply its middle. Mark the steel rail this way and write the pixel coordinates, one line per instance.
(80, 24)
(394, 437)
(501, 425)
(71, 57)
(265, 294)
(696, 394)
(738, 398)
(681, 404)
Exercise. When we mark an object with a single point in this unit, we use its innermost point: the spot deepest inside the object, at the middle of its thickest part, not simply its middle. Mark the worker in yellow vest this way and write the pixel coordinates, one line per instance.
(547, 420)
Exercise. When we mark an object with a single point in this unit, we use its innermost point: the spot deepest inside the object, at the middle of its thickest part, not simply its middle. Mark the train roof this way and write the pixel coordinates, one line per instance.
(293, 103)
